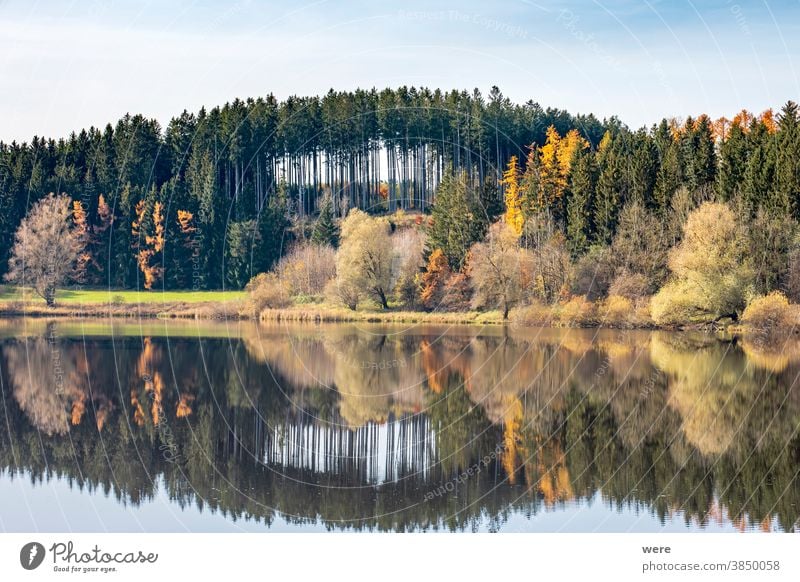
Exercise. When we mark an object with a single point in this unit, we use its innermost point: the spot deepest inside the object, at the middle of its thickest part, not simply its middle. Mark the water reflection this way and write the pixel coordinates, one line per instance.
(382, 428)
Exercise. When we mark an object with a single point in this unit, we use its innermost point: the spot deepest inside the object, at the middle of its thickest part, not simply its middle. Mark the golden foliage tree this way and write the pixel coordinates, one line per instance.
(555, 159)
(151, 269)
(365, 256)
(511, 182)
(83, 233)
(711, 269)
(434, 279)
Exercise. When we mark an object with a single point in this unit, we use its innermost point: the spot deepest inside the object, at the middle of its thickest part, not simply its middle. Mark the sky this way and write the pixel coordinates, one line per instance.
(66, 65)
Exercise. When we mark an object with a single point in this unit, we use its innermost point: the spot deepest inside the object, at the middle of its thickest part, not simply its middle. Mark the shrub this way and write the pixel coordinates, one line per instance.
(593, 273)
(407, 245)
(640, 247)
(616, 310)
(793, 276)
(629, 285)
(307, 268)
(434, 280)
(457, 293)
(364, 260)
(676, 304)
(343, 292)
(534, 314)
(495, 266)
(770, 313)
(266, 291)
(577, 312)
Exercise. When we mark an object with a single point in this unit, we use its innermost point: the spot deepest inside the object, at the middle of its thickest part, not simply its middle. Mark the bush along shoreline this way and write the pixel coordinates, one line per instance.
(767, 317)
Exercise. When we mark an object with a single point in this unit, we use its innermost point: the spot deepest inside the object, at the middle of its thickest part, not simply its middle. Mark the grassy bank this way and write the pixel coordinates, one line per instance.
(20, 301)
(578, 312)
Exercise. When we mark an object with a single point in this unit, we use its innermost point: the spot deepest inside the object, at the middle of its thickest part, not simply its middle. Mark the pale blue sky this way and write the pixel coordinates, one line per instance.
(68, 65)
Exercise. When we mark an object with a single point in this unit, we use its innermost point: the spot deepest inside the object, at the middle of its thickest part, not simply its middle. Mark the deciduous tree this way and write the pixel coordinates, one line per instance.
(46, 248)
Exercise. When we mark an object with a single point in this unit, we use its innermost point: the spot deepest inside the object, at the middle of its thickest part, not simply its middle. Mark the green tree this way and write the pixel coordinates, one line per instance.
(733, 153)
(457, 221)
(580, 198)
(759, 176)
(787, 163)
(609, 196)
(325, 231)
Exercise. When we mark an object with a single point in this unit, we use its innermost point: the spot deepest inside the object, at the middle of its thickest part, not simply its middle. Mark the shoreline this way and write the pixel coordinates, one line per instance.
(234, 311)
(578, 313)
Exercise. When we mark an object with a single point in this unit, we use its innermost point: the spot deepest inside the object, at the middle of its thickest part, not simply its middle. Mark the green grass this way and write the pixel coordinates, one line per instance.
(100, 296)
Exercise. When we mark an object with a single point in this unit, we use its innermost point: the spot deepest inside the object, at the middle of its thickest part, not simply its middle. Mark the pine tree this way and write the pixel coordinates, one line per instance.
(787, 163)
(609, 197)
(759, 176)
(699, 153)
(185, 252)
(581, 187)
(102, 230)
(325, 231)
(641, 171)
(733, 153)
(669, 175)
(457, 221)
(532, 199)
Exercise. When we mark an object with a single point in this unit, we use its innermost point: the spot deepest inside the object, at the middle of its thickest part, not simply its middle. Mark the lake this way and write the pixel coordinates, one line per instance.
(197, 426)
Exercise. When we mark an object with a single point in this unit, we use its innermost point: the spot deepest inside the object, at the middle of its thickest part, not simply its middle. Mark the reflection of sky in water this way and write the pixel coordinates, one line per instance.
(54, 506)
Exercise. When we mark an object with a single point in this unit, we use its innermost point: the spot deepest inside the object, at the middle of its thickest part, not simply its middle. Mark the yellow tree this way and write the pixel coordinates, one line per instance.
(83, 233)
(153, 244)
(550, 172)
(434, 279)
(511, 182)
(768, 119)
(555, 158)
(743, 119)
(571, 143)
(720, 128)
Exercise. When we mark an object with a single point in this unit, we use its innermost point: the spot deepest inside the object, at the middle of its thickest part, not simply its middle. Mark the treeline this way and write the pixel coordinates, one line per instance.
(217, 196)
(237, 172)
(700, 217)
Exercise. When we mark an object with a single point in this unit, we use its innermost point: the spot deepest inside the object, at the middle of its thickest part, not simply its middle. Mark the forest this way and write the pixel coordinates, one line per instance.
(231, 166)
(461, 184)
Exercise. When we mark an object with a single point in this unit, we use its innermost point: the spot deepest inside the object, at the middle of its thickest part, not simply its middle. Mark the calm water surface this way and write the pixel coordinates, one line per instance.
(229, 427)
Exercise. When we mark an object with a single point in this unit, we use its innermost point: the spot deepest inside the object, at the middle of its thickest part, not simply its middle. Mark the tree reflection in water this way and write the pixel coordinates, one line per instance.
(381, 428)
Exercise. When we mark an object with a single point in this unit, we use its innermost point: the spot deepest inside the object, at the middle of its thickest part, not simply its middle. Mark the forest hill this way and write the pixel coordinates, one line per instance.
(234, 185)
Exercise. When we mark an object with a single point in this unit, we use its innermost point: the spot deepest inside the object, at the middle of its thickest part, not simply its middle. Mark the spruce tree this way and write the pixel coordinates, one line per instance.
(582, 178)
(609, 190)
(457, 219)
(732, 163)
(325, 231)
(759, 176)
(787, 163)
